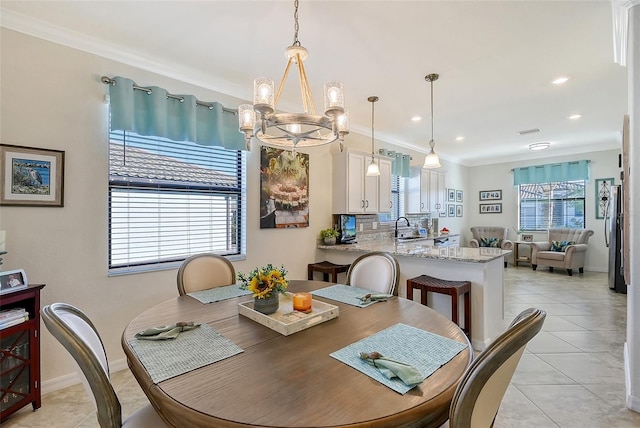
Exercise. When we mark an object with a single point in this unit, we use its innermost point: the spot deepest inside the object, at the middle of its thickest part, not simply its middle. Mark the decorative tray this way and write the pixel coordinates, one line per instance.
(285, 320)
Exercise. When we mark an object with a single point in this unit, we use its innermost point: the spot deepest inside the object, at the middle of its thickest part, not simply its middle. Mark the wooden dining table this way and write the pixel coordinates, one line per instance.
(291, 381)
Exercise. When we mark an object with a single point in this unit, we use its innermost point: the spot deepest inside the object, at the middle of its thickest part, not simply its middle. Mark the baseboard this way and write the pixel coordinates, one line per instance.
(70, 379)
(632, 402)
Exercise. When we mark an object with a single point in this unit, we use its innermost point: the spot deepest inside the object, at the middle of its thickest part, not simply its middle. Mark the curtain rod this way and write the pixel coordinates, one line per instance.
(540, 166)
(108, 81)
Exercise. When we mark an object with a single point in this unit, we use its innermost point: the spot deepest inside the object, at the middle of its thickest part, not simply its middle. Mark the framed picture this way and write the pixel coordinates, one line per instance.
(491, 195)
(31, 176)
(458, 210)
(458, 195)
(451, 195)
(452, 210)
(527, 238)
(603, 193)
(491, 208)
(12, 280)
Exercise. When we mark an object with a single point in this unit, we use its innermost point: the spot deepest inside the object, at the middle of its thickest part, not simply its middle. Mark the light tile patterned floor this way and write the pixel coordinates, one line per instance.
(572, 374)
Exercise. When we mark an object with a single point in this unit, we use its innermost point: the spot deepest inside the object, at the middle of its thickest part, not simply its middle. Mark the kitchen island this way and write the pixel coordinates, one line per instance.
(483, 267)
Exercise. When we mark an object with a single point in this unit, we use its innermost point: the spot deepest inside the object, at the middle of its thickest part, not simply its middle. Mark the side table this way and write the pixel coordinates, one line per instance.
(517, 258)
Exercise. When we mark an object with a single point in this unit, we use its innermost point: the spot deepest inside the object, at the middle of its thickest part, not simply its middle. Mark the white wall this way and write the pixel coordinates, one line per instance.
(499, 177)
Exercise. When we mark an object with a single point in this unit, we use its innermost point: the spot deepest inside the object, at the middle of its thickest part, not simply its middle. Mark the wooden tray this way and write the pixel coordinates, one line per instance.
(285, 320)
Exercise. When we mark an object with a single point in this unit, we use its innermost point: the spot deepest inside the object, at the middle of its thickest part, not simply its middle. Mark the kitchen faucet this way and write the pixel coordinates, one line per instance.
(405, 219)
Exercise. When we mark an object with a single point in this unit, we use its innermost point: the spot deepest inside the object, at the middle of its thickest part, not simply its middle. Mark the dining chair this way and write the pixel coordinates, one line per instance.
(478, 396)
(376, 271)
(73, 329)
(204, 271)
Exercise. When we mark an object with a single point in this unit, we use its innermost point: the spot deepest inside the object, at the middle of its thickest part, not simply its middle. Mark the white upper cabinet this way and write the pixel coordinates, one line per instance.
(353, 191)
(425, 191)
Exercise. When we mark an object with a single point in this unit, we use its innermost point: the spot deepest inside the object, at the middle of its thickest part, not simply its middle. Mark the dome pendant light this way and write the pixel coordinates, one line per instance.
(431, 161)
(372, 170)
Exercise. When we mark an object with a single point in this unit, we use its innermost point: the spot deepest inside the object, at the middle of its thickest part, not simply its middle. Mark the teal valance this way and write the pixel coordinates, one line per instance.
(152, 111)
(552, 173)
(400, 164)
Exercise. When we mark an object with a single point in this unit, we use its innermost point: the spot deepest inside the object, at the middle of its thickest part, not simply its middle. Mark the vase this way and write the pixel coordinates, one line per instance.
(268, 305)
(330, 241)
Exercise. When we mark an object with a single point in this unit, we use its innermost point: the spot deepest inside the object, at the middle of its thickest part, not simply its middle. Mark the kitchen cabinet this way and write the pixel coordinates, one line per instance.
(426, 191)
(20, 353)
(353, 191)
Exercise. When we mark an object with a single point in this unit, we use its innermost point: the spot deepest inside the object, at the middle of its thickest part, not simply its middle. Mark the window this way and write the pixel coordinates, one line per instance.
(397, 200)
(169, 200)
(558, 204)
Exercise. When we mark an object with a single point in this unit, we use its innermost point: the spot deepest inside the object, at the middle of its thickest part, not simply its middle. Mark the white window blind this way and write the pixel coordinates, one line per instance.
(558, 204)
(169, 200)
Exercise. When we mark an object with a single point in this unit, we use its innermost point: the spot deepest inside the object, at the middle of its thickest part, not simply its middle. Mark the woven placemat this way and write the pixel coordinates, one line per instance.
(219, 293)
(191, 350)
(426, 351)
(345, 294)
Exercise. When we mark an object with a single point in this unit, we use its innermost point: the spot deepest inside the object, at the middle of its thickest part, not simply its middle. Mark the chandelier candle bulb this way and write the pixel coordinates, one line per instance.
(302, 302)
(263, 94)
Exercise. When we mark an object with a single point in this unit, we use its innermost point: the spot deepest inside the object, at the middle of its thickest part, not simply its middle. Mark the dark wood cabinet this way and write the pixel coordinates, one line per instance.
(20, 353)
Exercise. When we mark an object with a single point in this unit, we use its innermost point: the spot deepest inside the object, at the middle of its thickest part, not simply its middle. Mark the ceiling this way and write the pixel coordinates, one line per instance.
(496, 60)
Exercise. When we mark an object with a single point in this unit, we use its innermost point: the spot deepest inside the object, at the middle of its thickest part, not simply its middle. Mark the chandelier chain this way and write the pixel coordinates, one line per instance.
(296, 26)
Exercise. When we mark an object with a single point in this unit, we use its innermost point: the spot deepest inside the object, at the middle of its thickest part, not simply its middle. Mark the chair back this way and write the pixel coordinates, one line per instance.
(480, 232)
(204, 271)
(479, 394)
(77, 334)
(376, 271)
(579, 236)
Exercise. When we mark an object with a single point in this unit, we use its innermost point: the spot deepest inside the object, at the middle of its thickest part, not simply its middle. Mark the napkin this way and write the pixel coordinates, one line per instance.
(373, 298)
(167, 331)
(392, 368)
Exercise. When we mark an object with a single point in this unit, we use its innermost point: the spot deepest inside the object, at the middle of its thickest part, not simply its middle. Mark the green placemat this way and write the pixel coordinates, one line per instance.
(425, 351)
(191, 350)
(216, 294)
(345, 294)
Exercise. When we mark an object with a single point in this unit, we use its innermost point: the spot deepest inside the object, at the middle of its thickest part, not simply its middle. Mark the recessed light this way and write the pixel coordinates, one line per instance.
(416, 118)
(560, 80)
(539, 146)
(574, 116)
(460, 138)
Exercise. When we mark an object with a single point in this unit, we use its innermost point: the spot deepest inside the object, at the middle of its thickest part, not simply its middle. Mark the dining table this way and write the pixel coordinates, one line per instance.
(278, 380)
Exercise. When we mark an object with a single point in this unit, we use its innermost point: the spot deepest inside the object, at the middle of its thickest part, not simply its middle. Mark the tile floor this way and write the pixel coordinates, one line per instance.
(571, 375)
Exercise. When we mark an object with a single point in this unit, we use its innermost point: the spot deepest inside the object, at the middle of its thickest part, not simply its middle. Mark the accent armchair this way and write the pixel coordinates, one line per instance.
(566, 248)
(491, 237)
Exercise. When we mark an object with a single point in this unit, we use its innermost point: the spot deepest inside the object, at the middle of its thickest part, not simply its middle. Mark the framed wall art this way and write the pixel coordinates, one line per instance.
(458, 195)
(490, 195)
(603, 193)
(451, 210)
(451, 195)
(458, 210)
(31, 176)
(491, 208)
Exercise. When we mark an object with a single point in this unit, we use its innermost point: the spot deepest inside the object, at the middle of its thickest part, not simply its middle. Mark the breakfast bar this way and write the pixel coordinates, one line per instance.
(483, 267)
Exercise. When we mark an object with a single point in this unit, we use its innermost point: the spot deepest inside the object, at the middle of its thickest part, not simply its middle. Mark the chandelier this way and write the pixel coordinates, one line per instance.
(294, 130)
(432, 160)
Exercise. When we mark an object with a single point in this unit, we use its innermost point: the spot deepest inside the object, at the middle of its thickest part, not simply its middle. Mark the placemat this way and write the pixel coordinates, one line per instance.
(345, 294)
(216, 294)
(191, 350)
(425, 351)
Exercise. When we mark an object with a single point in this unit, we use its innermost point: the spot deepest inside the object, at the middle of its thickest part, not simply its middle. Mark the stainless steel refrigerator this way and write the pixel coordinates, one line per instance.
(613, 238)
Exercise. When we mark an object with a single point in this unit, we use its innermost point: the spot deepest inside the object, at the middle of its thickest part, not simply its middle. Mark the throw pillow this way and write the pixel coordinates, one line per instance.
(560, 246)
(489, 242)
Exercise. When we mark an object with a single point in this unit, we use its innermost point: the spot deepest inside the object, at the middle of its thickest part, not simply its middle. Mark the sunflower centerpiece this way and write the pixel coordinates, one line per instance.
(265, 283)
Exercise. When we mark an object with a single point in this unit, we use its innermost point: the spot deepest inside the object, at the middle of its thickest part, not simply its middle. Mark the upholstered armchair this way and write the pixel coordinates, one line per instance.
(565, 248)
(491, 237)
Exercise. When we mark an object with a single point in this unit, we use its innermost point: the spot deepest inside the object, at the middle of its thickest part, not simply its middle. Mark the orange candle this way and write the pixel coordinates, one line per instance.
(302, 302)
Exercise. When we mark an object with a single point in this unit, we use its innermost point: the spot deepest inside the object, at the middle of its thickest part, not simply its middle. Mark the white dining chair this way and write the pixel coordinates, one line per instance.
(376, 271)
(204, 271)
(73, 329)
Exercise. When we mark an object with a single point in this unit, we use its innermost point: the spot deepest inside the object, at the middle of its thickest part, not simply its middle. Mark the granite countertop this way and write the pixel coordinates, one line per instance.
(419, 249)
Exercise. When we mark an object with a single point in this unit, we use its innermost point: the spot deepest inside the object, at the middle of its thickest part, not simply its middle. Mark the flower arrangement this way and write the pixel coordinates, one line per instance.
(262, 282)
(329, 233)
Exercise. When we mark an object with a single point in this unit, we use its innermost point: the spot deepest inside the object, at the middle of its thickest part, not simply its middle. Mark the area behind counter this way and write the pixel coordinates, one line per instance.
(483, 267)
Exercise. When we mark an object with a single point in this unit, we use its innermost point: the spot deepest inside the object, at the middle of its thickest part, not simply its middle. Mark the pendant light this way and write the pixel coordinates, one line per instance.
(372, 170)
(432, 160)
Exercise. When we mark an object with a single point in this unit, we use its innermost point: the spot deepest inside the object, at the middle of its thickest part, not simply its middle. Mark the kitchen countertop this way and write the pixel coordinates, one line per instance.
(418, 249)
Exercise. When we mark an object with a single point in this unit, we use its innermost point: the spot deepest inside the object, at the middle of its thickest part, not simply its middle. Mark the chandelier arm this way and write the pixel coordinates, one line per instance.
(308, 89)
(281, 86)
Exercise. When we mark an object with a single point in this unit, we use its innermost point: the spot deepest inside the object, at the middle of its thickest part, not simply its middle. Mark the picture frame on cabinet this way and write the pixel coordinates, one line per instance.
(31, 176)
(459, 196)
(452, 210)
(458, 210)
(451, 195)
(491, 208)
(13, 280)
